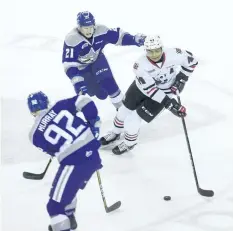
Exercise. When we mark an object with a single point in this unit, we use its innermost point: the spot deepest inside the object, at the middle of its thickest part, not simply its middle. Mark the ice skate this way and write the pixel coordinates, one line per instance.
(122, 148)
(109, 138)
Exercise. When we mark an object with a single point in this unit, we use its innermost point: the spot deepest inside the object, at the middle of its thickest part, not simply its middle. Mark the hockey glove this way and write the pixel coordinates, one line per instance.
(176, 108)
(179, 84)
(95, 126)
(139, 39)
(80, 90)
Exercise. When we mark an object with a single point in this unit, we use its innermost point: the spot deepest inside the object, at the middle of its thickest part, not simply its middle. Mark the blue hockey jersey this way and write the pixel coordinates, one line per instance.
(59, 132)
(79, 52)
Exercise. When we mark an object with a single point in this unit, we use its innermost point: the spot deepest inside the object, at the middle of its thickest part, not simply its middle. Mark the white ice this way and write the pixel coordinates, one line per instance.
(31, 43)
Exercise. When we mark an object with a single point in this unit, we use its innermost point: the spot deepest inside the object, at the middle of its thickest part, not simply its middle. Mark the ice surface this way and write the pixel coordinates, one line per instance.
(31, 43)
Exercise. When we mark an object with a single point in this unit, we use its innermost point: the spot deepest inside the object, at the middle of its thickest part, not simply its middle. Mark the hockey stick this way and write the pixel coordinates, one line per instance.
(34, 176)
(203, 192)
(112, 207)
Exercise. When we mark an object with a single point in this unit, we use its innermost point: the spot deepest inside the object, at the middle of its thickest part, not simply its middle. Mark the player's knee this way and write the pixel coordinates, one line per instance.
(109, 85)
(132, 123)
(117, 99)
(55, 208)
(123, 112)
(102, 94)
(132, 126)
(60, 223)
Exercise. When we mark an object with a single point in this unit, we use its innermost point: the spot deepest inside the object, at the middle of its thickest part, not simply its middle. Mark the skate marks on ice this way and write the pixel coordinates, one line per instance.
(166, 125)
(36, 42)
(205, 215)
(219, 88)
(16, 147)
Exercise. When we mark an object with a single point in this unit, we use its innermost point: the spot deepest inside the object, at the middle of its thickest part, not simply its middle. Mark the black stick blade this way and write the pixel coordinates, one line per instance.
(113, 207)
(33, 176)
(206, 193)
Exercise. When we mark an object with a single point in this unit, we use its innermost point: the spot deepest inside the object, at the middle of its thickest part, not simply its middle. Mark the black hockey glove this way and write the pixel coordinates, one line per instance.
(179, 84)
(176, 108)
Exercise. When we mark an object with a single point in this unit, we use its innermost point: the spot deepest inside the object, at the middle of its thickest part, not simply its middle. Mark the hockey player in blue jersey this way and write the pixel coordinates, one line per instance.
(61, 134)
(84, 61)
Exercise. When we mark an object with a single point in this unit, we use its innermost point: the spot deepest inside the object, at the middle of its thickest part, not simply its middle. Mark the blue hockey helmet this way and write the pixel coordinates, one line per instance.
(37, 101)
(85, 18)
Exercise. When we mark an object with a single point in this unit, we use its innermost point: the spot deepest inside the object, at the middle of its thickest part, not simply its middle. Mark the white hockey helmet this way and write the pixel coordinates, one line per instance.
(154, 47)
(153, 42)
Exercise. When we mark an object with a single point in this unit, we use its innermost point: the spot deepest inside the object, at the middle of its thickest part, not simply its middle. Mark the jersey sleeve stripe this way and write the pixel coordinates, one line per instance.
(186, 69)
(121, 35)
(158, 96)
(147, 88)
(82, 101)
(194, 65)
(77, 79)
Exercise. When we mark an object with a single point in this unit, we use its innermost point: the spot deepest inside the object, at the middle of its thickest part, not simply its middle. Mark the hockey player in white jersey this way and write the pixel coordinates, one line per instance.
(161, 73)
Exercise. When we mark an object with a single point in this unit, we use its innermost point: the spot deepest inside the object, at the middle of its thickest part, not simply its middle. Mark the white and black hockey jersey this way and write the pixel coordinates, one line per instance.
(155, 79)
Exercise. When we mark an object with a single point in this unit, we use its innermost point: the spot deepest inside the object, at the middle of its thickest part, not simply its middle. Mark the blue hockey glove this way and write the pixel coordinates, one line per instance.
(95, 126)
(80, 90)
(139, 39)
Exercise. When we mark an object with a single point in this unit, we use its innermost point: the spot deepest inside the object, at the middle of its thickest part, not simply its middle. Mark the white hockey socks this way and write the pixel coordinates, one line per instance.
(117, 100)
(132, 127)
(118, 122)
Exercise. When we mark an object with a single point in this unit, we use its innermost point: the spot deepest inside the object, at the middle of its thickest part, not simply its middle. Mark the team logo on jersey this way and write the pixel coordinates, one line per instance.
(135, 66)
(161, 79)
(88, 153)
(34, 102)
(86, 14)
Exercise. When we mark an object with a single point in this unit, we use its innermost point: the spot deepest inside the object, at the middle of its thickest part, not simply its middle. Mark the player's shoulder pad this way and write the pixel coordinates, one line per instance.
(100, 29)
(73, 38)
(82, 101)
(139, 64)
(175, 54)
(173, 51)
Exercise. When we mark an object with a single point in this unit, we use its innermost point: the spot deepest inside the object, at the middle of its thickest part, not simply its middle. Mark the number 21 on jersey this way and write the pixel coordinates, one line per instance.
(69, 53)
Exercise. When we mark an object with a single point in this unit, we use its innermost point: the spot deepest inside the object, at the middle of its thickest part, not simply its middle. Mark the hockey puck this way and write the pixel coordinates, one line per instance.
(167, 198)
